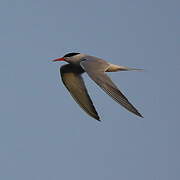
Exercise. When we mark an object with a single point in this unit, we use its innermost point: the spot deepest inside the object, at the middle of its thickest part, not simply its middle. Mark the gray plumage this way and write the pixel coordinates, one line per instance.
(95, 68)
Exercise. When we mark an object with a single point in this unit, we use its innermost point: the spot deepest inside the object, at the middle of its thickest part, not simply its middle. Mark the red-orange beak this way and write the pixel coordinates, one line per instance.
(59, 59)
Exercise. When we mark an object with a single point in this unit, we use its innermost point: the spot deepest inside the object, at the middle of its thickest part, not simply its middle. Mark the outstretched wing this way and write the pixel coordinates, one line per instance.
(71, 77)
(96, 68)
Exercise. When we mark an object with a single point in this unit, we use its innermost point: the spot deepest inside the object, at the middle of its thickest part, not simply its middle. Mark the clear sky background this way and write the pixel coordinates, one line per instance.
(45, 135)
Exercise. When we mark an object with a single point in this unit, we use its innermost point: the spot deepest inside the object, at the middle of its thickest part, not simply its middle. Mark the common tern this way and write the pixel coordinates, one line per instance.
(95, 68)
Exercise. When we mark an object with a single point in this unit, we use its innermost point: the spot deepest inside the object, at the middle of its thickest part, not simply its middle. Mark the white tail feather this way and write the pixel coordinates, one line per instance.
(114, 68)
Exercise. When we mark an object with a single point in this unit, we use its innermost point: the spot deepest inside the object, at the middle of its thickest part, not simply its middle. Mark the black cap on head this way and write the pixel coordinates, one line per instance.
(71, 54)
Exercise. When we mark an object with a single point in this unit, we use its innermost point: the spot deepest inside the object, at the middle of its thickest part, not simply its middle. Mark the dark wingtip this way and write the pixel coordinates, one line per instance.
(138, 114)
(97, 118)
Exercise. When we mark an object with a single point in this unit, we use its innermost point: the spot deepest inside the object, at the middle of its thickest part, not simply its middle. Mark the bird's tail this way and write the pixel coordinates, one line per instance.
(114, 68)
(124, 68)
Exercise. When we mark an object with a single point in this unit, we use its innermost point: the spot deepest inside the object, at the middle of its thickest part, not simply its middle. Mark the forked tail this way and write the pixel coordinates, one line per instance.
(114, 68)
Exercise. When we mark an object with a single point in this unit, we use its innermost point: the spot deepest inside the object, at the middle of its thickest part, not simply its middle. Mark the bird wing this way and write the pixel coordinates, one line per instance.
(96, 68)
(71, 77)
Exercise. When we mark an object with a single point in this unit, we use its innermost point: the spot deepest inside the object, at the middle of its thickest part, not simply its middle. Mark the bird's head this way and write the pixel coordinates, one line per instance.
(70, 57)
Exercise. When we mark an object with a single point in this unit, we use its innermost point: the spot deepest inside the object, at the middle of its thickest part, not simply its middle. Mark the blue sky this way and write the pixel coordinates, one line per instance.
(45, 135)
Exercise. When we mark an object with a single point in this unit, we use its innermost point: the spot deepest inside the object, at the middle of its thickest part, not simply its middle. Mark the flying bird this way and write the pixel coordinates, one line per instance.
(95, 67)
